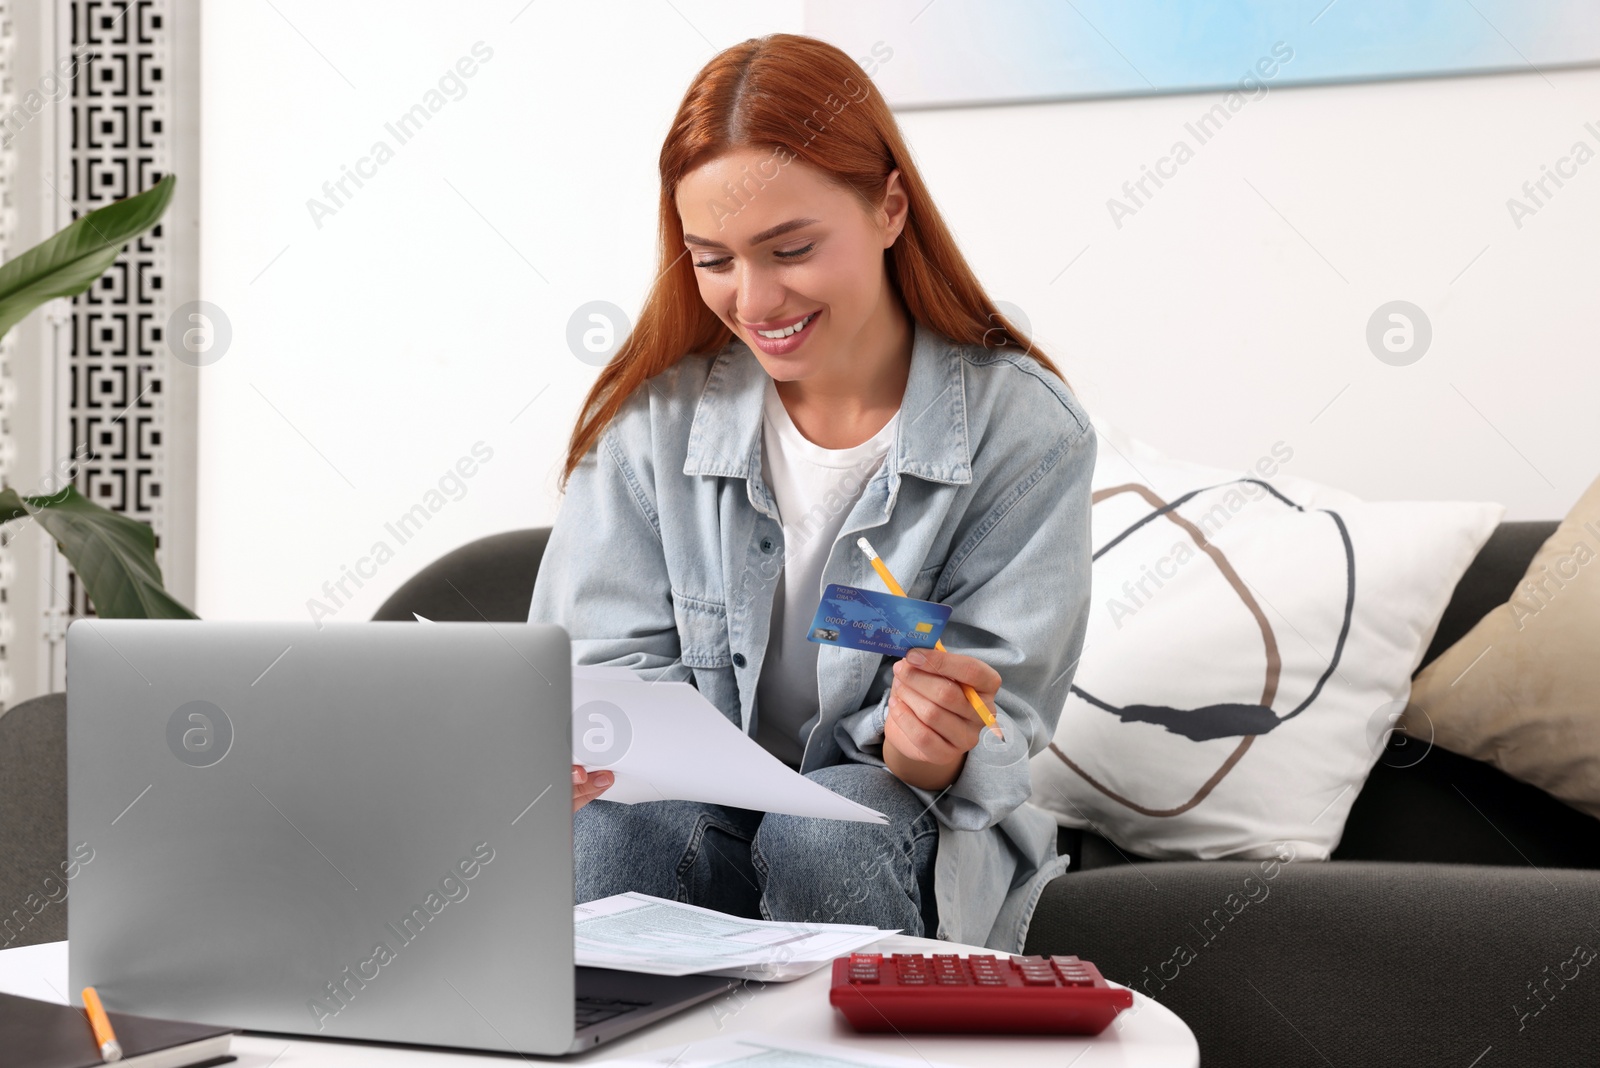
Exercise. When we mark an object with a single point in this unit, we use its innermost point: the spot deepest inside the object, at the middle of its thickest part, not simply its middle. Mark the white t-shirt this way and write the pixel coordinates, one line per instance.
(815, 489)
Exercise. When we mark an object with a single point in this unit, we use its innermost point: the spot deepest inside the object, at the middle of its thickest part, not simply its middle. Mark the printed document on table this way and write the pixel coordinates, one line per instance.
(752, 1049)
(665, 742)
(639, 933)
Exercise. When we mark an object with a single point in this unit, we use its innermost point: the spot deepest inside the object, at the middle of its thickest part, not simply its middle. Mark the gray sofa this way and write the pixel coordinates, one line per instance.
(1444, 932)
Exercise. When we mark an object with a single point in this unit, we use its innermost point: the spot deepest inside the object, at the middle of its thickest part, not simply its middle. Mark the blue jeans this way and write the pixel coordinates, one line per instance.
(770, 866)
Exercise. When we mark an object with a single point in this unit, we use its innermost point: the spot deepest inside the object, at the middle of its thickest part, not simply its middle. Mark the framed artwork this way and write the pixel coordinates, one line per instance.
(952, 53)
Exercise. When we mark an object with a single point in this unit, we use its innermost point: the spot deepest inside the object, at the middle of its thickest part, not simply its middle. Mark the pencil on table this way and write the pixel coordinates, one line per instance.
(104, 1037)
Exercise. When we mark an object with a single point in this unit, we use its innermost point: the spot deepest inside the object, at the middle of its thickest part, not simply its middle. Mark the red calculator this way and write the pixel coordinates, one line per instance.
(954, 994)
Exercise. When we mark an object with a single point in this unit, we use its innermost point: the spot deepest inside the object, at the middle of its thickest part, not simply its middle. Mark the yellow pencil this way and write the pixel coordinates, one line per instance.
(104, 1037)
(894, 587)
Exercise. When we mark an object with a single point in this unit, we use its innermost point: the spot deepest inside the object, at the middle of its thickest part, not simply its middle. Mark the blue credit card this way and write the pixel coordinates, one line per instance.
(873, 622)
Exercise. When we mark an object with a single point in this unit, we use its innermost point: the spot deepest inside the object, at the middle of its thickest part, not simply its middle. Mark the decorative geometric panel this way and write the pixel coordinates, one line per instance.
(8, 226)
(120, 145)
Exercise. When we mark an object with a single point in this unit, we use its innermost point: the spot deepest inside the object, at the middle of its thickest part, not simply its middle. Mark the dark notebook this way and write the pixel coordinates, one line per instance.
(42, 1034)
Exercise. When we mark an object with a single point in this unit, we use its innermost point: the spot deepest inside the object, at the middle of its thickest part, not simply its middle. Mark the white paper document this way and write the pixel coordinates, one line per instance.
(665, 742)
(641, 933)
(751, 1049)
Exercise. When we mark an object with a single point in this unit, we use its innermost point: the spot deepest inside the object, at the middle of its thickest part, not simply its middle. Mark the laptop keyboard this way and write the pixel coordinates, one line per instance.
(598, 1010)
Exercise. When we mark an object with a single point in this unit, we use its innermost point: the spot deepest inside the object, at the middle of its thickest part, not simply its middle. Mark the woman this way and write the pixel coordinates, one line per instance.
(816, 362)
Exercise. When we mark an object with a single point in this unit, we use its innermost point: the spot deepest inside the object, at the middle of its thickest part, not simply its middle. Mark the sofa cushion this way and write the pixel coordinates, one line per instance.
(1425, 803)
(33, 822)
(1522, 689)
(1355, 963)
(489, 579)
(1489, 581)
(1251, 640)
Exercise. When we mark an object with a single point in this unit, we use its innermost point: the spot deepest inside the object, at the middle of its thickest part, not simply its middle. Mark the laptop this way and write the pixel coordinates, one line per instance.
(346, 830)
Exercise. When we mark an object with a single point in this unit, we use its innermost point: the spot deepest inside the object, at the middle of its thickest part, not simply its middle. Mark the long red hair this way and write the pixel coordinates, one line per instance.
(808, 101)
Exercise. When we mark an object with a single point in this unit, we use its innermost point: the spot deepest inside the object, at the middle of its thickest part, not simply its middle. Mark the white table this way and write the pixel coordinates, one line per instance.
(1145, 1036)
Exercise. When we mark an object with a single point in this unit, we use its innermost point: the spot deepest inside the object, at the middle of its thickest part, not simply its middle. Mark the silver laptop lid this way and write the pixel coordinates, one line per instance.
(357, 830)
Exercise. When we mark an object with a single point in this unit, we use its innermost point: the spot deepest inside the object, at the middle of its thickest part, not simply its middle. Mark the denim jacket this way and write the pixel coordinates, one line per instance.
(667, 550)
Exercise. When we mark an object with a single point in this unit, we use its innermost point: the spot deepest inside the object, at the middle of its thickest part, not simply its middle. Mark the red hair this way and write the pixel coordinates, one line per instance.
(750, 96)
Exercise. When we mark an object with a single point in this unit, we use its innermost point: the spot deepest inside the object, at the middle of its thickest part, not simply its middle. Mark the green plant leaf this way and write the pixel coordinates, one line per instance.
(114, 555)
(68, 263)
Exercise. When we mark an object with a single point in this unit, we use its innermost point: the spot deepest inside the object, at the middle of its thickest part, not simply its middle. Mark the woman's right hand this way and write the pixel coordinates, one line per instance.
(586, 787)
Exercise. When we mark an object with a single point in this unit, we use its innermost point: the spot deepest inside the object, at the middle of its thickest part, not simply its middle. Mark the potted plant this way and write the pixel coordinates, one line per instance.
(114, 555)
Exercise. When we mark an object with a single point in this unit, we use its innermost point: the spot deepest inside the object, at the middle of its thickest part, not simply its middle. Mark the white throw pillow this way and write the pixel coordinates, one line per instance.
(1251, 641)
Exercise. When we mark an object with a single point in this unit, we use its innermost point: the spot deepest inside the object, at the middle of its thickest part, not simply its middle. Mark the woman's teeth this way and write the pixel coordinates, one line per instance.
(786, 331)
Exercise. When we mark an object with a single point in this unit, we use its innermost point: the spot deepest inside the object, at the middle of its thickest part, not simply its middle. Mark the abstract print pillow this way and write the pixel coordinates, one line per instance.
(1251, 642)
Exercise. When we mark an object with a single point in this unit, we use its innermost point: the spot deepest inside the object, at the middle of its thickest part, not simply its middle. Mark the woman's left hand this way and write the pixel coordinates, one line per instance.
(929, 718)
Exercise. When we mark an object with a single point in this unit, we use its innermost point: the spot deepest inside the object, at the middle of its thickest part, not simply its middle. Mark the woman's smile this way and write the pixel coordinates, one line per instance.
(782, 341)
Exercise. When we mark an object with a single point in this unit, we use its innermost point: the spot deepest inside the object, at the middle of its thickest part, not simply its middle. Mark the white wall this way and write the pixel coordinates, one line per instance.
(1232, 308)
(369, 355)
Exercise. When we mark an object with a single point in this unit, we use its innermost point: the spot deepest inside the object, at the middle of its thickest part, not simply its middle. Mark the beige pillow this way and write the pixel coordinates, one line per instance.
(1522, 689)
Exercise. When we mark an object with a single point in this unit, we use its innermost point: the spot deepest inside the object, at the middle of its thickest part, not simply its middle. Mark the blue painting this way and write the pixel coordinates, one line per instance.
(947, 53)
